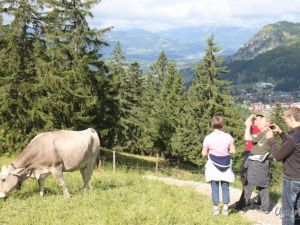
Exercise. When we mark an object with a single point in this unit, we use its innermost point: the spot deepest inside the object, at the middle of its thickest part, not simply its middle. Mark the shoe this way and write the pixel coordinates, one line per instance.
(225, 212)
(215, 211)
(238, 207)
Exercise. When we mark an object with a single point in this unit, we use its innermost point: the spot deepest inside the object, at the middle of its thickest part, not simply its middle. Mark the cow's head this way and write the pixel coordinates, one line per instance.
(9, 179)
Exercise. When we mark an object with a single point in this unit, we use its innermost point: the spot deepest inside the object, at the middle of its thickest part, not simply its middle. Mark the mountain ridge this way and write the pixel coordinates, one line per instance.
(268, 38)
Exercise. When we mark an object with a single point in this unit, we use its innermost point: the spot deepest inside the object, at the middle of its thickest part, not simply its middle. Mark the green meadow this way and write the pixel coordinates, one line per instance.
(120, 197)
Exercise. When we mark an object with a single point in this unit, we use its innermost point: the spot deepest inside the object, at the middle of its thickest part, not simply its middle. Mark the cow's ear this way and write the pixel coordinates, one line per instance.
(17, 171)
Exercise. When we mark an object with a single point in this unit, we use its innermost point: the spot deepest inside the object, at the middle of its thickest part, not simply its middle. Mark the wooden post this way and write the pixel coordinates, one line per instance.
(114, 161)
(156, 167)
(100, 165)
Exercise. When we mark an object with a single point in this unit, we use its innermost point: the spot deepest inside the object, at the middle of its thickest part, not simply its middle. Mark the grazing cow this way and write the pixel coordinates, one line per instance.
(53, 152)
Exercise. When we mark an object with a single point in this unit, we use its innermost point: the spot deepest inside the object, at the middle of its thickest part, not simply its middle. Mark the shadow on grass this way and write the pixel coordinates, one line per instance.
(139, 164)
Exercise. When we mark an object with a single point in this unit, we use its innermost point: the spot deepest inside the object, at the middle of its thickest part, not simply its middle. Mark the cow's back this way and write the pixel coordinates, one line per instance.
(72, 149)
(76, 148)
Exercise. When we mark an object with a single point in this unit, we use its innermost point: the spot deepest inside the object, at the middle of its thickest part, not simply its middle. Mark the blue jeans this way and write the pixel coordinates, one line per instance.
(215, 192)
(290, 197)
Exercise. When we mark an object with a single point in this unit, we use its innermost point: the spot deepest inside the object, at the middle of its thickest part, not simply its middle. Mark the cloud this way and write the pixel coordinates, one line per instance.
(165, 14)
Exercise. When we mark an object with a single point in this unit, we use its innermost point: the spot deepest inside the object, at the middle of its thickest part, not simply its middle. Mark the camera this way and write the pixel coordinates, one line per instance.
(272, 127)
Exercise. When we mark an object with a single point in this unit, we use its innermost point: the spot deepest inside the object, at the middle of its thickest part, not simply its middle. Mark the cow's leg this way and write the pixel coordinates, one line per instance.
(41, 182)
(87, 174)
(58, 174)
(83, 172)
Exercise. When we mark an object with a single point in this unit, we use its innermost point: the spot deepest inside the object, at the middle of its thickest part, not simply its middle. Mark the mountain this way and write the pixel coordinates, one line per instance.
(272, 55)
(185, 45)
(268, 38)
(279, 66)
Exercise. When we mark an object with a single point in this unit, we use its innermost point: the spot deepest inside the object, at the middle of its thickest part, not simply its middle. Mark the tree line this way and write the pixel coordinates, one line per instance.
(53, 76)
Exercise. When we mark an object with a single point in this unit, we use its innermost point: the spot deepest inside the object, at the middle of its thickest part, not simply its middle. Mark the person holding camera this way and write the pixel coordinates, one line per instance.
(289, 154)
(257, 164)
(240, 204)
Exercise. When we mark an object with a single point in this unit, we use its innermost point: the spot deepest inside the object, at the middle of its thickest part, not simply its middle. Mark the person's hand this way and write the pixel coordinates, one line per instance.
(276, 128)
(249, 120)
(269, 134)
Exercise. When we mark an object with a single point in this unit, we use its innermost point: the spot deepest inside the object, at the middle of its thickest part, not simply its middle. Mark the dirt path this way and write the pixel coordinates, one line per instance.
(252, 214)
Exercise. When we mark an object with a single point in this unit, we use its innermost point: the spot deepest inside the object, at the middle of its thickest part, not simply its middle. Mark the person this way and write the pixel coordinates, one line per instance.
(289, 154)
(240, 204)
(218, 146)
(257, 164)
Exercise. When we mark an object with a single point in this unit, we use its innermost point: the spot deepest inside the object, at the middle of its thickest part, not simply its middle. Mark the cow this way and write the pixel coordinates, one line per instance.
(53, 153)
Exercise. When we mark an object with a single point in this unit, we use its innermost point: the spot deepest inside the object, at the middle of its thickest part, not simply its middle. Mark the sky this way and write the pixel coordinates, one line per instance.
(156, 15)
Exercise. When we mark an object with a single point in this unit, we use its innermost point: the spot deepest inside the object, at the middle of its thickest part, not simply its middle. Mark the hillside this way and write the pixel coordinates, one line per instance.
(272, 55)
(280, 66)
(268, 38)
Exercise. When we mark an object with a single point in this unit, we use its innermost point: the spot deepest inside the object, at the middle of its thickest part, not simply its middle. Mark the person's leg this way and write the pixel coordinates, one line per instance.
(215, 192)
(244, 167)
(296, 201)
(225, 192)
(240, 204)
(247, 192)
(215, 197)
(265, 198)
(297, 216)
(287, 203)
(225, 196)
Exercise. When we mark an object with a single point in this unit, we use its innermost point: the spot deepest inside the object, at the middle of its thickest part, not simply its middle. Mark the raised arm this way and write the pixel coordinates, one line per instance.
(287, 148)
(248, 124)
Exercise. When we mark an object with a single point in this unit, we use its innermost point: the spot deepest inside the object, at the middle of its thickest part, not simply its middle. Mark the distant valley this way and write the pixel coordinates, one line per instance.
(271, 54)
(183, 45)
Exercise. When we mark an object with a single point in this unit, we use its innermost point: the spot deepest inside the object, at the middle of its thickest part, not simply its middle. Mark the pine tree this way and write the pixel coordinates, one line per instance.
(117, 66)
(168, 104)
(207, 97)
(51, 56)
(146, 118)
(276, 117)
(74, 66)
(20, 116)
(130, 102)
(275, 166)
(159, 70)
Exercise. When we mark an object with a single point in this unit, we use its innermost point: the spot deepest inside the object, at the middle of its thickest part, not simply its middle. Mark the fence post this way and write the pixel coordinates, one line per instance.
(156, 166)
(100, 165)
(114, 161)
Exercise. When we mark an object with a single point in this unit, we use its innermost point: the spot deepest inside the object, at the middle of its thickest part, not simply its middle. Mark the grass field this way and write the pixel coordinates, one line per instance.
(123, 197)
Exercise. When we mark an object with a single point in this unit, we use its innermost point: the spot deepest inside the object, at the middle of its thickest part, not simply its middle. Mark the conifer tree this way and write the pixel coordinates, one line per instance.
(277, 115)
(275, 166)
(207, 97)
(20, 117)
(74, 65)
(130, 101)
(146, 118)
(159, 70)
(117, 66)
(168, 104)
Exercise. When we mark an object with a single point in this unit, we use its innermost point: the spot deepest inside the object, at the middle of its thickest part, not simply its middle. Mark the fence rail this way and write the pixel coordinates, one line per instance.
(118, 160)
